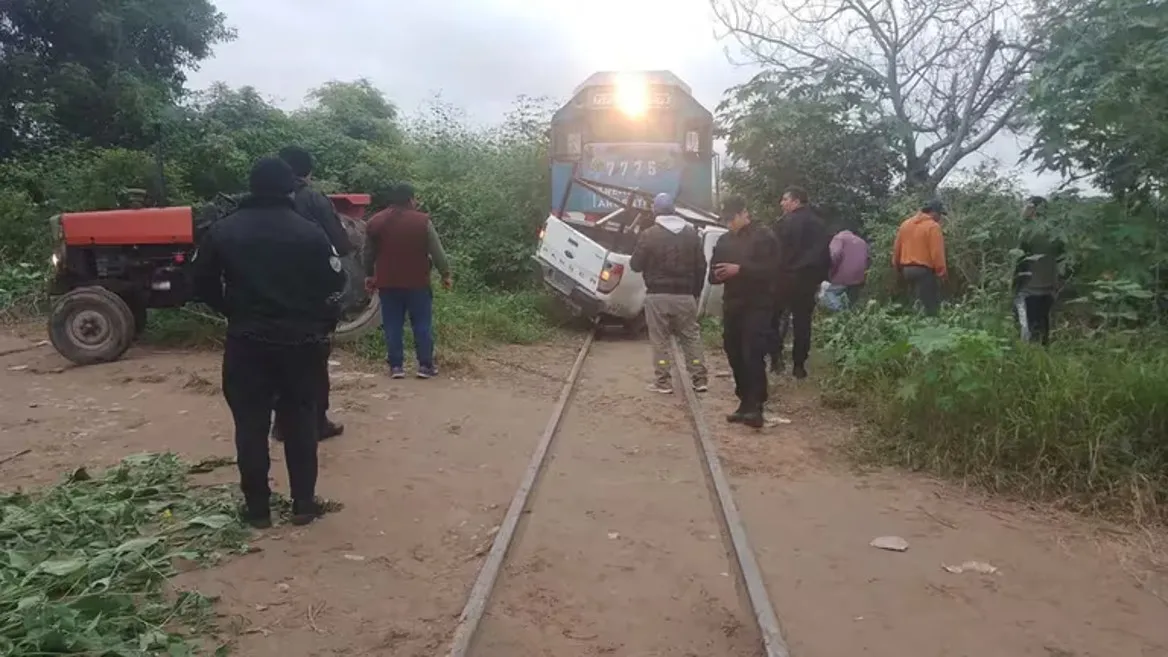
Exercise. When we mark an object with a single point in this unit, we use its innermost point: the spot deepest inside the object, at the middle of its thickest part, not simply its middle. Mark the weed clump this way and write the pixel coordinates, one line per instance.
(1083, 422)
(84, 563)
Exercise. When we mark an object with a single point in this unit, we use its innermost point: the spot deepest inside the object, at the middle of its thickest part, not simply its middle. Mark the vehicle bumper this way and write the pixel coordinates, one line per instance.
(577, 300)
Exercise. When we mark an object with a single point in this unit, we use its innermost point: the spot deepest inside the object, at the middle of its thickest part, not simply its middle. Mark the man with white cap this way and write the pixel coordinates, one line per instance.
(669, 257)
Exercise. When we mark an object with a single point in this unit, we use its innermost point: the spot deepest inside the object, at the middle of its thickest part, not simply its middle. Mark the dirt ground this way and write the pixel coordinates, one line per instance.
(620, 554)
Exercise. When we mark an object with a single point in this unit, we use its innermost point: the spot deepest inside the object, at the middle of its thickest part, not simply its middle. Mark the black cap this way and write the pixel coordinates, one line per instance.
(934, 206)
(271, 176)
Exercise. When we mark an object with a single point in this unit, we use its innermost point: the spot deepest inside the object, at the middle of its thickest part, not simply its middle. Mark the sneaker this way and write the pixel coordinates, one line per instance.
(331, 429)
(663, 388)
(397, 373)
(799, 372)
(304, 513)
(427, 371)
(701, 387)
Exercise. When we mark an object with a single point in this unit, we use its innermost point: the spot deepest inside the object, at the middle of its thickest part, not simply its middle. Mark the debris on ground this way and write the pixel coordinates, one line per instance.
(86, 561)
(971, 566)
(775, 420)
(893, 543)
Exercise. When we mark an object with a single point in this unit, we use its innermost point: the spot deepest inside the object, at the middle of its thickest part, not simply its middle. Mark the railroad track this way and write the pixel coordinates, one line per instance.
(542, 503)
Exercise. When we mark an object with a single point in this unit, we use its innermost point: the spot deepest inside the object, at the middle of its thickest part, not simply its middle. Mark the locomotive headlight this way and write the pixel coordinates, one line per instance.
(631, 95)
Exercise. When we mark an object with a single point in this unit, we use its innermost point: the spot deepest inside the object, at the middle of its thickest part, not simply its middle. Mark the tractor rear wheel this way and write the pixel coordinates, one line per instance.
(361, 311)
(91, 325)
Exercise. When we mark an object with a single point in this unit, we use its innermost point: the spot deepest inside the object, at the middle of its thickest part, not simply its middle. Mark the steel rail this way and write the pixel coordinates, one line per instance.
(480, 593)
(748, 576)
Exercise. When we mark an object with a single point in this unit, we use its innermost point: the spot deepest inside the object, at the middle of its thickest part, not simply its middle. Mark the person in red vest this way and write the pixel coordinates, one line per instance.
(401, 247)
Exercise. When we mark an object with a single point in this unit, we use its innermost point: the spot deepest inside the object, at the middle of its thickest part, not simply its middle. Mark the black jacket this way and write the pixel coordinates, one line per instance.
(316, 207)
(671, 263)
(804, 246)
(755, 251)
(271, 272)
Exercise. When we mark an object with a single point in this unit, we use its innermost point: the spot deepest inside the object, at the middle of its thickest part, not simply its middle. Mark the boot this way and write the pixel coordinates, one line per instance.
(753, 419)
(257, 515)
(738, 415)
(330, 429)
(304, 513)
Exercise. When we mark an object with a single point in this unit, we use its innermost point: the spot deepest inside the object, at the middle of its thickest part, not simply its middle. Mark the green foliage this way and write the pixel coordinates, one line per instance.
(96, 72)
(1104, 240)
(822, 141)
(1098, 99)
(1081, 422)
(83, 564)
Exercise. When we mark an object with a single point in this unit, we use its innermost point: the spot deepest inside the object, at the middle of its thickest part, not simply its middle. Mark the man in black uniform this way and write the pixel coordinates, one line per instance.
(744, 261)
(317, 207)
(804, 262)
(275, 277)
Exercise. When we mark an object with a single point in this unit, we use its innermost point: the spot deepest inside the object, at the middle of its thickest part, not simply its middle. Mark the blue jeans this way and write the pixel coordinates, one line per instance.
(418, 303)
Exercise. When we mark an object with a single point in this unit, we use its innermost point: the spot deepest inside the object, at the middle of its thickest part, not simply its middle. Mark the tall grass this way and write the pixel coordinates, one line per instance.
(1083, 422)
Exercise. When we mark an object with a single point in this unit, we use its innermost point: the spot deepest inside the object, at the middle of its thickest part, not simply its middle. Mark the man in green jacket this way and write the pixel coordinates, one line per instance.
(1036, 276)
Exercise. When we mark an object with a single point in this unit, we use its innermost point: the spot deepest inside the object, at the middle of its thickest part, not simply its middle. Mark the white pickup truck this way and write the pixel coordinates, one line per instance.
(586, 264)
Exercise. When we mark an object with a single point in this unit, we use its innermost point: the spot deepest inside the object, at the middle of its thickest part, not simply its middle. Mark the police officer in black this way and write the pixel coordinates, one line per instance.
(745, 261)
(276, 278)
(317, 207)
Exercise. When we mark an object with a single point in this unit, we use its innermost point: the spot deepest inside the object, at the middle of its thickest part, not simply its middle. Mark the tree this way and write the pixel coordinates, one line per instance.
(98, 71)
(1099, 102)
(945, 76)
(825, 143)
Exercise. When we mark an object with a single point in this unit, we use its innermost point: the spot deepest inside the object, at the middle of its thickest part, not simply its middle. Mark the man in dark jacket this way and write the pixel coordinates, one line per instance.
(804, 262)
(669, 257)
(275, 277)
(1036, 275)
(316, 207)
(744, 262)
(401, 246)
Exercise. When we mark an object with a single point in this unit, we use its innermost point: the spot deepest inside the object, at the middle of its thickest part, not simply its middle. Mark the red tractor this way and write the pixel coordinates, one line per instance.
(111, 266)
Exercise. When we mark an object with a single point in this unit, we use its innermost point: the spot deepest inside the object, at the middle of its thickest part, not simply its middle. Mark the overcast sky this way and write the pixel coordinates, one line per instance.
(478, 54)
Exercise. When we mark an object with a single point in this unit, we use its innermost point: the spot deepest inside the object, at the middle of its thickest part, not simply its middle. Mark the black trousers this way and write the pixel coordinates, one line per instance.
(746, 336)
(255, 374)
(795, 297)
(1033, 314)
(323, 390)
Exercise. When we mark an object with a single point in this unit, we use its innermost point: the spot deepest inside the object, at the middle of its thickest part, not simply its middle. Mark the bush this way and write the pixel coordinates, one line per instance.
(1082, 422)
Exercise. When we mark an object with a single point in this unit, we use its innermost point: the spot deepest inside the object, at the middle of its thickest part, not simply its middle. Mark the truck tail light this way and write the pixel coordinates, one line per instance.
(610, 277)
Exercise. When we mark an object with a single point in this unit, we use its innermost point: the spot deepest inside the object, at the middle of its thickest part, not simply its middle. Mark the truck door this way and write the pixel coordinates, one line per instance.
(710, 302)
(570, 253)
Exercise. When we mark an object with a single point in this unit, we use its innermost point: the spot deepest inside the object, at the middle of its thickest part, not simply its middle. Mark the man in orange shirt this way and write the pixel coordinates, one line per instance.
(918, 255)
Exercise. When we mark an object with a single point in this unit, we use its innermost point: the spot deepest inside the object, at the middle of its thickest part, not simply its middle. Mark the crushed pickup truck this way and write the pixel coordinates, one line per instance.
(586, 263)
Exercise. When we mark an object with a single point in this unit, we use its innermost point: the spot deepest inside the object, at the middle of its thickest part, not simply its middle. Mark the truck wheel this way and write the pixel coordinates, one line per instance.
(354, 325)
(91, 325)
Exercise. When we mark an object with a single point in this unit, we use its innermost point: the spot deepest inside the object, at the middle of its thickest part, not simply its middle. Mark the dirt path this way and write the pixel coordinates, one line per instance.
(622, 521)
(427, 468)
(1063, 588)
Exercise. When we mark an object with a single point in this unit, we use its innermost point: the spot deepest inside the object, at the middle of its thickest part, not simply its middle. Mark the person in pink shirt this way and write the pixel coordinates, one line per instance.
(849, 269)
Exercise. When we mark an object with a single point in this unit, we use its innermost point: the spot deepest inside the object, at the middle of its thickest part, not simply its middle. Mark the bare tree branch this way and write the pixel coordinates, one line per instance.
(946, 74)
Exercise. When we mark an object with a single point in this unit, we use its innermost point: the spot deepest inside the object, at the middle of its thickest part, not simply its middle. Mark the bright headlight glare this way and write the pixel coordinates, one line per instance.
(631, 94)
